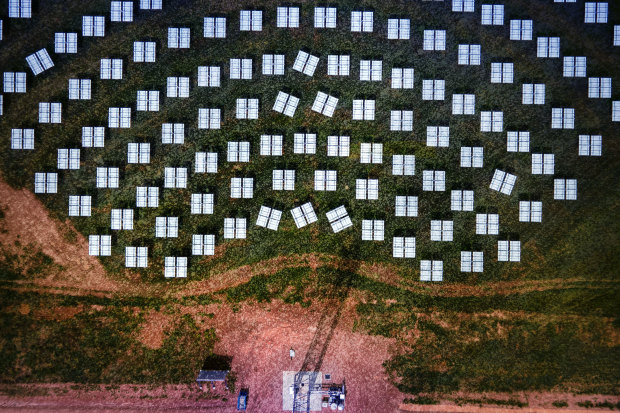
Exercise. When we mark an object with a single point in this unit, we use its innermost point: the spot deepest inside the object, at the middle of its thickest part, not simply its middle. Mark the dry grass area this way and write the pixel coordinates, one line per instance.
(153, 330)
(27, 221)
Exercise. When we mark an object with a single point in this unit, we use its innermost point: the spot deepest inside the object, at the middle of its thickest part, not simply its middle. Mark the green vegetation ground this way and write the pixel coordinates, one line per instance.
(562, 337)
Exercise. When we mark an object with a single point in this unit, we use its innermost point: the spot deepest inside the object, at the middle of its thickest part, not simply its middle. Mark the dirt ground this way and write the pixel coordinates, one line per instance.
(27, 220)
(257, 336)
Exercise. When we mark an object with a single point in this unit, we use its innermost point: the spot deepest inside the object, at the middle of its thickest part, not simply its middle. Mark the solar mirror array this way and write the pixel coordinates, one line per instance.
(261, 142)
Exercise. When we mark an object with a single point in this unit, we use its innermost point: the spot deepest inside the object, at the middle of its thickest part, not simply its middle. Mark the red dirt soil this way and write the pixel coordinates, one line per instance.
(26, 219)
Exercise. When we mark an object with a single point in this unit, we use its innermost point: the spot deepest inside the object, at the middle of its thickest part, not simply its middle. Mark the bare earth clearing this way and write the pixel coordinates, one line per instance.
(257, 336)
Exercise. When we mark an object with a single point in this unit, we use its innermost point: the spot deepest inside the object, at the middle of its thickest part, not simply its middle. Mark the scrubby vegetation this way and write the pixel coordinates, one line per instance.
(560, 337)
